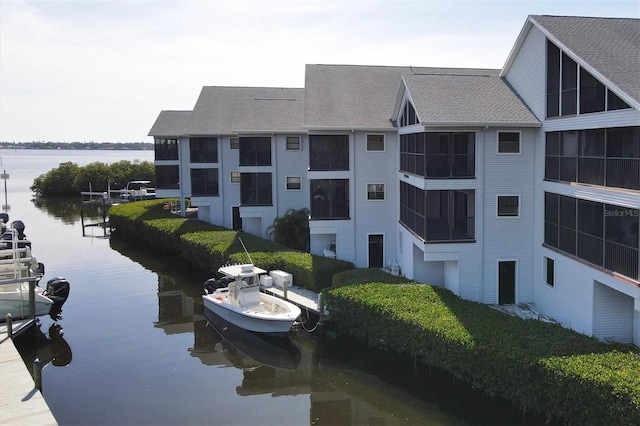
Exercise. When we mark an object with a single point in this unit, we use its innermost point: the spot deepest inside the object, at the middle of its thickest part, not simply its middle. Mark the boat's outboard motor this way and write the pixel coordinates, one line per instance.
(57, 289)
(19, 227)
(4, 218)
(213, 284)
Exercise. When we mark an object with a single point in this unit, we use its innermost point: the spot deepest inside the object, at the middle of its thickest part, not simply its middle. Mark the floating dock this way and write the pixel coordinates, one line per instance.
(21, 403)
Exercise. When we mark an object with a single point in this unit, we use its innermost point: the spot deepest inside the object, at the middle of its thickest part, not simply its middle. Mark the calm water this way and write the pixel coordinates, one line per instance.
(134, 346)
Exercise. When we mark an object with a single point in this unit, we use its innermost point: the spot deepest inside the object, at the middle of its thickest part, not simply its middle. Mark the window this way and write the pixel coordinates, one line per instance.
(375, 191)
(437, 216)
(204, 182)
(255, 189)
(614, 102)
(330, 199)
(569, 93)
(375, 142)
(328, 152)
(234, 143)
(605, 157)
(602, 234)
(203, 150)
(564, 97)
(508, 142)
(167, 177)
(438, 155)
(409, 116)
(293, 143)
(255, 151)
(235, 177)
(508, 205)
(592, 93)
(165, 149)
(550, 271)
(294, 183)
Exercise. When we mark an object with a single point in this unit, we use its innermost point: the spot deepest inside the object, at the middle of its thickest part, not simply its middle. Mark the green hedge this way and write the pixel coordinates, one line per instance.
(539, 365)
(208, 246)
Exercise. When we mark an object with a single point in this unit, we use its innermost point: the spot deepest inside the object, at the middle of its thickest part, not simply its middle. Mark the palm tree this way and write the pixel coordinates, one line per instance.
(291, 229)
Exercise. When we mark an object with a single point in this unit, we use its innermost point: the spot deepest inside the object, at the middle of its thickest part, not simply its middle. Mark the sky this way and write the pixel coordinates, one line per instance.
(89, 70)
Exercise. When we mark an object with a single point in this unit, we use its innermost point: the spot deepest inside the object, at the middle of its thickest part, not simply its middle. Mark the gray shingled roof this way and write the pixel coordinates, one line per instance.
(216, 109)
(610, 45)
(466, 100)
(270, 115)
(357, 96)
(170, 124)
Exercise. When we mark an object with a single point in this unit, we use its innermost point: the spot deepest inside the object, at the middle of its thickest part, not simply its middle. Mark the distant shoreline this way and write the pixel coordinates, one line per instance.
(138, 146)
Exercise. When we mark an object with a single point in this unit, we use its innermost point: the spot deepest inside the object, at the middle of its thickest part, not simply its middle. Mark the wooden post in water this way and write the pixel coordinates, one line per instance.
(82, 220)
(9, 326)
(32, 299)
(37, 373)
(284, 288)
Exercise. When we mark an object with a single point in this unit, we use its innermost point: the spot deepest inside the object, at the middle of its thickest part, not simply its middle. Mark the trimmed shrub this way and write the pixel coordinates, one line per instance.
(539, 365)
(208, 246)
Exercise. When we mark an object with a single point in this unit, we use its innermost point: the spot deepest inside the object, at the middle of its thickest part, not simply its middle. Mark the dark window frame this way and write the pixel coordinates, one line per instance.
(329, 152)
(205, 182)
(505, 206)
(167, 176)
(329, 199)
(166, 149)
(505, 146)
(255, 151)
(256, 189)
(614, 246)
(203, 150)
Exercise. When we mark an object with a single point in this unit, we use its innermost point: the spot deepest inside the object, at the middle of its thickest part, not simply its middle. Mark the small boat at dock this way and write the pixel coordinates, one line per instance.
(19, 272)
(236, 297)
(137, 190)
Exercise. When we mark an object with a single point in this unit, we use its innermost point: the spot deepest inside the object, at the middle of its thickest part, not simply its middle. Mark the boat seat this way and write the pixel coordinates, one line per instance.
(249, 296)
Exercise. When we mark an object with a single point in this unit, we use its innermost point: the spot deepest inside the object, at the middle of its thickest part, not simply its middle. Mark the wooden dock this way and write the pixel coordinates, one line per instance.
(21, 403)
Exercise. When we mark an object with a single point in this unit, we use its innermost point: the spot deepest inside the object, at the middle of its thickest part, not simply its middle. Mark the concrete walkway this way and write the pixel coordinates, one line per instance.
(21, 403)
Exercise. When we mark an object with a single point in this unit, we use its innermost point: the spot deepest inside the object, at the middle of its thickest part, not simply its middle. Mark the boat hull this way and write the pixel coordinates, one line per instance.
(248, 319)
(17, 304)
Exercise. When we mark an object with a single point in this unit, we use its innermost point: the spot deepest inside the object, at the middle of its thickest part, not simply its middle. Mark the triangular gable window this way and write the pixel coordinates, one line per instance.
(409, 116)
(565, 96)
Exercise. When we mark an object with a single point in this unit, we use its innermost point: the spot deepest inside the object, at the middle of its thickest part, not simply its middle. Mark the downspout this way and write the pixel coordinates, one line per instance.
(352, 198)
(482, 260)
(221, 175)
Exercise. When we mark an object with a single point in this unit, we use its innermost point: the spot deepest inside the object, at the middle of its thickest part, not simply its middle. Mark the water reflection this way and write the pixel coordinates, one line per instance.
(290, 367)
(67, 209)
(48, 347)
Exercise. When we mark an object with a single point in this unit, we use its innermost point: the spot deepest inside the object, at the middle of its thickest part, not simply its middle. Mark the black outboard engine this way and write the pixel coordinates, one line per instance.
(18, 227)
(4, 217)
(213, 284)
(58, 289)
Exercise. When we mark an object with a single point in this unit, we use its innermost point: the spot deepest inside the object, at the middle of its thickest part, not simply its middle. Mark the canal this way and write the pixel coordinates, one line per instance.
(133, 345)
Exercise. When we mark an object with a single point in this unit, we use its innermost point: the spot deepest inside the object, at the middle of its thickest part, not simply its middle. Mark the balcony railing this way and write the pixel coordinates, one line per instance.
(446, 166)
(330, 209)
(324, 161)
(622, 259)
(454, 228)
(623, 173)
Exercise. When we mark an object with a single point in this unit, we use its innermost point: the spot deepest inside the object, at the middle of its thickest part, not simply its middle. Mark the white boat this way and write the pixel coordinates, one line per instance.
(137, 190)
(19, 270)
(237, 299)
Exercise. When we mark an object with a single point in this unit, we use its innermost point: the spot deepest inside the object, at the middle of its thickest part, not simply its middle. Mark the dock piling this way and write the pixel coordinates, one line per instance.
(9, 326)
(37, 373)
